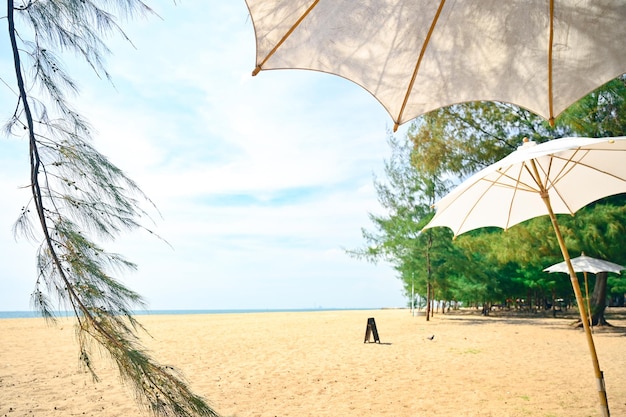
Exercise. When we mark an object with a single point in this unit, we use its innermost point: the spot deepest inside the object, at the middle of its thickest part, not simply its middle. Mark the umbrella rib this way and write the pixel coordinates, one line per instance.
(518, 183)
(470, 211)
(516, 188)
(569, 165)
(550, 45)
(552, 182)
(418, 64)
(593, 168)
(284, 38)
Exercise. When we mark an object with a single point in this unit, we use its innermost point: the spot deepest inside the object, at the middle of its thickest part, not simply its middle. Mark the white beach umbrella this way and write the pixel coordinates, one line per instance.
(558, 176)
(588, 264)
(415, 56)
(569, 172)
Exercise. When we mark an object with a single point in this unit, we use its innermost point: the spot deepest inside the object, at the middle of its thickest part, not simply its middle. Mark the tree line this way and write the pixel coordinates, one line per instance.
(488, 266)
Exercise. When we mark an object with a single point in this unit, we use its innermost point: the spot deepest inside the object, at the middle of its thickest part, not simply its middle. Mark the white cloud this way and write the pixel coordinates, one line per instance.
(261, 181)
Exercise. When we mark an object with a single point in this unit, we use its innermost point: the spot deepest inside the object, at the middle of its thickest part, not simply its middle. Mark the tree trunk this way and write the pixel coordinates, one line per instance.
(598, 300)
(428, 275)
(432, 301)
(428, 301)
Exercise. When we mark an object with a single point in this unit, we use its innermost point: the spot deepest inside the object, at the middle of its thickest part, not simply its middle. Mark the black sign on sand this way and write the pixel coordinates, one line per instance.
(371, 330)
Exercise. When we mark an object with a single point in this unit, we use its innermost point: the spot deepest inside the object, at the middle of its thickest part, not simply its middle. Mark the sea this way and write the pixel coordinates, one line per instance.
(34, 314)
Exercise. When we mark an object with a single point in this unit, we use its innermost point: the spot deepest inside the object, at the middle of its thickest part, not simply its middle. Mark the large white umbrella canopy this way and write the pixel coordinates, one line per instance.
(415, 56)
(572, 172)
(585, 263)
(558, 176)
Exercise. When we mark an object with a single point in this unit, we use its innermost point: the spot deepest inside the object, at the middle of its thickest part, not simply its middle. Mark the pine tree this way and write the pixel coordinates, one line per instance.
(78, 195)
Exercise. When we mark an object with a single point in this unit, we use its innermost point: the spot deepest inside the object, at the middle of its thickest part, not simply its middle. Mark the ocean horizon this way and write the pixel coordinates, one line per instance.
(36, 314)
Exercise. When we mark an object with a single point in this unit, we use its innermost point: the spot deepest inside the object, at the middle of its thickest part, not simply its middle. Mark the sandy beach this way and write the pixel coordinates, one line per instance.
(316, 364)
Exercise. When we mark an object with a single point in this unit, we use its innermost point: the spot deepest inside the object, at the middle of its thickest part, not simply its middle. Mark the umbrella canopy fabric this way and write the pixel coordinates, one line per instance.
(585, 263)
(415, 56)
(572, 172)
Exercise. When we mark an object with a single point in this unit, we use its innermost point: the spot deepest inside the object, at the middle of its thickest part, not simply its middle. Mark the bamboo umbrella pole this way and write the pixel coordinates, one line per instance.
(545, 196)
(587, 295)
(581, 308)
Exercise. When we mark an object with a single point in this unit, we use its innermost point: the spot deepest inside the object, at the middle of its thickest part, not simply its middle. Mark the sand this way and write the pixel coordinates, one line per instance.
(316, 364)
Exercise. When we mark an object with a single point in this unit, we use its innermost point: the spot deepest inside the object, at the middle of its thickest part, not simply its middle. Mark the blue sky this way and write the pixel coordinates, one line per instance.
(261, 182)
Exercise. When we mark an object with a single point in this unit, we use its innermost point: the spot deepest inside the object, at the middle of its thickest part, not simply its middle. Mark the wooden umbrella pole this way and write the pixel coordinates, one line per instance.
(581, 307)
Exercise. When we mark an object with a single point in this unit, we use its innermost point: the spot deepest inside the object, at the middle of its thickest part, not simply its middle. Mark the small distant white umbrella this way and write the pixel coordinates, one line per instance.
(586, 264)
(558, 176)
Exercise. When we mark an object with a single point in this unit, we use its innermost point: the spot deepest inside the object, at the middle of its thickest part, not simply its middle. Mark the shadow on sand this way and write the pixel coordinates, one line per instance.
(616, 317)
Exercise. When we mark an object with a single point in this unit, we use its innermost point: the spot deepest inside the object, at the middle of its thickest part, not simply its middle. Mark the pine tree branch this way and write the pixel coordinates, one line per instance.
(70, 179)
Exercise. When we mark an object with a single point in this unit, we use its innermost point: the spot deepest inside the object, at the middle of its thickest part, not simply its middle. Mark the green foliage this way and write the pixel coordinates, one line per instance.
(461, 139)
(78, 195)
(599, 114)
(488, 264)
